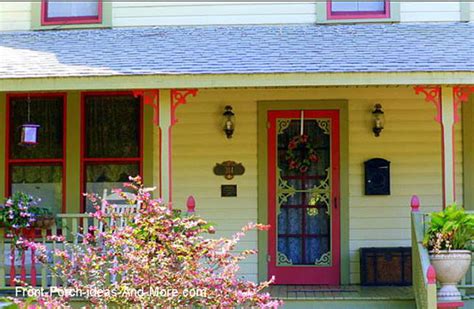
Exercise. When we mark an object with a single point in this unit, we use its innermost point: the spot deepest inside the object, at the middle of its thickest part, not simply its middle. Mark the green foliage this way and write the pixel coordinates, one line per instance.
(450, 229)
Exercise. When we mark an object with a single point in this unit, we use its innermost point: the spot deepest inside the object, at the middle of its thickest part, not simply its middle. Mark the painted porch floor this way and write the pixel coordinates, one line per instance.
(343, 297)
(345, 292)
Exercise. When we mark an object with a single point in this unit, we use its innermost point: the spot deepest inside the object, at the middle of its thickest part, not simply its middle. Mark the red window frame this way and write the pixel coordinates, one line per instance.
(357, 15)
(45, 20)
(35, 162)
(85, 160)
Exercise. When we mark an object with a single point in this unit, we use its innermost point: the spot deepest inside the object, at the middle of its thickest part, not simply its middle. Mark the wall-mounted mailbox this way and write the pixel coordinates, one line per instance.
(377, 177)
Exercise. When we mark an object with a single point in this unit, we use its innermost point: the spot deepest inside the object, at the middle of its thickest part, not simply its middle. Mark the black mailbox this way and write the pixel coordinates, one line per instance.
(377, 177)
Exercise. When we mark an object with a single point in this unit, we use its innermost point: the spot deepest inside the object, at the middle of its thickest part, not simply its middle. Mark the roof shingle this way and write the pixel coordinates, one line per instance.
(239, 50)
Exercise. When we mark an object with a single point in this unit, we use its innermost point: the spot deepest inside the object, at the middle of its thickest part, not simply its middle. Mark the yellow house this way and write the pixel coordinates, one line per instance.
(340, 116)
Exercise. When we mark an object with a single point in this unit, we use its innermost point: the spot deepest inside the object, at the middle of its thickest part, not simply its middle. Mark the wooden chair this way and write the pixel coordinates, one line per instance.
(117, 204)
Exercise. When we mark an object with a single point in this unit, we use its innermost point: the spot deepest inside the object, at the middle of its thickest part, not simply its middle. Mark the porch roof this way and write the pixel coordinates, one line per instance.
(258, 49)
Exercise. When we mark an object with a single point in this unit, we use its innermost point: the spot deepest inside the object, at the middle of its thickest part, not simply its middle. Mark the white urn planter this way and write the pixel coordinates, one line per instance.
(450, 266)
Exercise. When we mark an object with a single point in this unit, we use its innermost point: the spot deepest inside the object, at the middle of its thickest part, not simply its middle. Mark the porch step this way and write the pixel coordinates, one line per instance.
(347, 297)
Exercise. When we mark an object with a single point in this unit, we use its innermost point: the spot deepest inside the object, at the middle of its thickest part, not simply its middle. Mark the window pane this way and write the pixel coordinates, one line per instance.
(44, 111)
(344, 6)
(43, 182)
(112, 126)
(372, 6)
(358, 6)
(73, 9)
(107, 176)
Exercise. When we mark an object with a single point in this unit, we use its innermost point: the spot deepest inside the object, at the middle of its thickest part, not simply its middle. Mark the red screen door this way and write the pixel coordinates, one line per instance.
(303, 197)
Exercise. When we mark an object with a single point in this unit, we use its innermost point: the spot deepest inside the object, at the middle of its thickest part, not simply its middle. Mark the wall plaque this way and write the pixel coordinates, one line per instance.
(228, 169)
(228, 190)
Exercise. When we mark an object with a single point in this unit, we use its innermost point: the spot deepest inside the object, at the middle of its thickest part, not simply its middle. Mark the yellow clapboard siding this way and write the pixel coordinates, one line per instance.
(411, 141)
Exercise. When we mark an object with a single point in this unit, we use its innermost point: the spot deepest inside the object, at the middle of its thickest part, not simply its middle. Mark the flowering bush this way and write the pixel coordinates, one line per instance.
(160, 258)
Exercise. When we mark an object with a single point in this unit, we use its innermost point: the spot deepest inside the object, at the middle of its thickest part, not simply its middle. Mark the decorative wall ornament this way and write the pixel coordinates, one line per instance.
(297, 163)
(433, 95)
(150, 97)
(229, 169)
(460, 95)
(179, 97)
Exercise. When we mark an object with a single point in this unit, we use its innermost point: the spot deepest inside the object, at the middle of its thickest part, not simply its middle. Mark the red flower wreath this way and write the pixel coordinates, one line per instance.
(297, 163)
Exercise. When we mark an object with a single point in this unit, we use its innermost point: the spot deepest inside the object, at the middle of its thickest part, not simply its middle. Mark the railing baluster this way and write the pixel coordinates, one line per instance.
(2, 257)
(44, 266)
(33, 267)
(12, 264)
(54, 233)
(74, 223)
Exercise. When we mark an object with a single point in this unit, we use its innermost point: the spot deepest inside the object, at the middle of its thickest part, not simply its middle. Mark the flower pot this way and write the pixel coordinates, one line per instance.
(450, 266)
(43, 222)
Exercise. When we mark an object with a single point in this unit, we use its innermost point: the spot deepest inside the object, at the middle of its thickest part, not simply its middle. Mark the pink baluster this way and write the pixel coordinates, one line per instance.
(33, 267)
(12, 265)
(23, 267)
(191, 205)
(415, 204)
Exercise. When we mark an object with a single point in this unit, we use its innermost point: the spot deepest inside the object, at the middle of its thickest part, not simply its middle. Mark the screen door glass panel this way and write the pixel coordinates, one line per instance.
(303, 192)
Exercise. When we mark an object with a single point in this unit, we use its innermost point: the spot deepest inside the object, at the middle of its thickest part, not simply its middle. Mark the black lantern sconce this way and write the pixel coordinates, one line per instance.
(29, 131)
(379, 119)
(229, 121)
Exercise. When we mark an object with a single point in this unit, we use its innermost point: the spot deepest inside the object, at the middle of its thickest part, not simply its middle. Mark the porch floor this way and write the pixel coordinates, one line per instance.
(344, 292)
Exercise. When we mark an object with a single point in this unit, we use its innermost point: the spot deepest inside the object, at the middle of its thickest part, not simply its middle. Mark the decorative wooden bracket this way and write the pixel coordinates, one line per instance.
(460, 95)
(433, 95)
(150, 97)
(179, 97)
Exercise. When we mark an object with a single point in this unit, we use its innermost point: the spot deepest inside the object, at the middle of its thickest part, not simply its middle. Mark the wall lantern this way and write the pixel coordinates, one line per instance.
(29, 131)
(229, 119)
(379, 119)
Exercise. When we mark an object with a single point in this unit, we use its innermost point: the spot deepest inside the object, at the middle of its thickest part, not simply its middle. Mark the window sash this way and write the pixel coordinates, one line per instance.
(60, 12)
(376, 6)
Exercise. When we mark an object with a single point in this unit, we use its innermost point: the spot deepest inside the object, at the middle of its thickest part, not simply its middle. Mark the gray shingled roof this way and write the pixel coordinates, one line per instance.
(238, 49)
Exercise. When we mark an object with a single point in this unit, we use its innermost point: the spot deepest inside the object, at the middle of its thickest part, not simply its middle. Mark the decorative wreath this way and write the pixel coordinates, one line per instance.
(300, 163)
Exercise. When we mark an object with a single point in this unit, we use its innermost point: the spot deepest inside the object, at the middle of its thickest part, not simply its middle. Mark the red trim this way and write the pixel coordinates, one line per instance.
(45, 20)
(304, 274)
(36, 162)
(357, 15)
(91, 161)
(453, 305)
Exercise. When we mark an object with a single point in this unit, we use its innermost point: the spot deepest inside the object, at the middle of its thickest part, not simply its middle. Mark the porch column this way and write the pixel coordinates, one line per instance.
(169, 102)
(447, 101)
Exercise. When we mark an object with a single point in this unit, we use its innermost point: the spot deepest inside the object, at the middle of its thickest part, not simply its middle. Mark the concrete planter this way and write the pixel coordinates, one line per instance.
(450, 266)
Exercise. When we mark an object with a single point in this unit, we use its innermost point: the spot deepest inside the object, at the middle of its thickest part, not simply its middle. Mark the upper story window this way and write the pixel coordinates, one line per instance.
(367, 9)
(61, 12)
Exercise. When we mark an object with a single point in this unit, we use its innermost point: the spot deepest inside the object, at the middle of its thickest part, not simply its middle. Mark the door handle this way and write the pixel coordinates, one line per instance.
(335, 202)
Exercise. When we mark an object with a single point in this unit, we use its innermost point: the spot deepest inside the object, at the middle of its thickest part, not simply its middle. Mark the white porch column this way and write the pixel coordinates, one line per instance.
(447, 101)
(169, 101)
(448, 143)
(165, 145)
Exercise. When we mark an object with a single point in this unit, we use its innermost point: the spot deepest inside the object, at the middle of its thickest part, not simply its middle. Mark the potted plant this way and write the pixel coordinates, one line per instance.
(449, 239)
(21, 214)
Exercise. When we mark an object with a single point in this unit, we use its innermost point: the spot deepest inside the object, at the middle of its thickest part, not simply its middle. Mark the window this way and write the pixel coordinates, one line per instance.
(38, 169)
(358, 9)
(62, 12)
(111, 141)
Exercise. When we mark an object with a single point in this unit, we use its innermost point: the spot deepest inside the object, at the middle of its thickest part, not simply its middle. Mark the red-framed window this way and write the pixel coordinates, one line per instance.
(71, 12)
(111, 141)
(358, 9)
(39, 169)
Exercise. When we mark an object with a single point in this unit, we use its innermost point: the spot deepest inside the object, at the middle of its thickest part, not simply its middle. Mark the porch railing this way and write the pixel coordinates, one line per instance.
(424, 275)
(24, 266)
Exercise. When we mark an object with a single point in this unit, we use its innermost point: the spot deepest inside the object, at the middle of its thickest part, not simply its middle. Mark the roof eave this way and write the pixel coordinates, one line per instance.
(234, 80)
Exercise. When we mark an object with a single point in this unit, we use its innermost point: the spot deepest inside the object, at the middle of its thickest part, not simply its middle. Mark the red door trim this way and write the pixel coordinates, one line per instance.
(305, 274)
